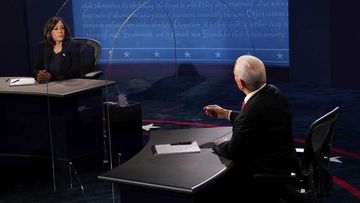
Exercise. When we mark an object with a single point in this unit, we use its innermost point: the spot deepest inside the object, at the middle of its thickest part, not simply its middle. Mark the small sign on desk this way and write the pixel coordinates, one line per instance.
(176, 148)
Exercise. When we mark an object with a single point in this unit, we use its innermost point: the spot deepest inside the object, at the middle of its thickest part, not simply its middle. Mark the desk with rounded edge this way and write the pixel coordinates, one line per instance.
(171, 177)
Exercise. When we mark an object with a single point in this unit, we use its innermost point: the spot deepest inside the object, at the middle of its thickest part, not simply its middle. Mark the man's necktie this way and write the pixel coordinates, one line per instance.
(243, 104)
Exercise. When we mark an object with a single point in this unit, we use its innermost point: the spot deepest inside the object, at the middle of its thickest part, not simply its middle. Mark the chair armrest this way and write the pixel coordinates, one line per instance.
(94, 74)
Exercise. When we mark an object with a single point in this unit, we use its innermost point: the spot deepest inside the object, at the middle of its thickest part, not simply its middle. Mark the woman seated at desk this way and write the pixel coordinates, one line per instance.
(58, 56)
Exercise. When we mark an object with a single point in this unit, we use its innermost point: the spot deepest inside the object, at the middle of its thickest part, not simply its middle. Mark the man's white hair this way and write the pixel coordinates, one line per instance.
(251, 70)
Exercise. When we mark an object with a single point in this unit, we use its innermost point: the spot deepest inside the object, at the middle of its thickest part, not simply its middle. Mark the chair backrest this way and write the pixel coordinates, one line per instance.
(316, 160)
(90, 51)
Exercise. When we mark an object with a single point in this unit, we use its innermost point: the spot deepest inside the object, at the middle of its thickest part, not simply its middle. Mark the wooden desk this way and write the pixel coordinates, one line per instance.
(174, 177)
(61, 120)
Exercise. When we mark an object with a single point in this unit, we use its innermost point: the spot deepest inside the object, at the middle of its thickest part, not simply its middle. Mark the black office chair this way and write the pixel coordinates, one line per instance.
(90, 51)
(315, 180)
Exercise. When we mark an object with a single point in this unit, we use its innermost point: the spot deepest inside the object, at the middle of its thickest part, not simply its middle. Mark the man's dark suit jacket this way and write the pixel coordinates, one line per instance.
(262, 135)
(70, 59)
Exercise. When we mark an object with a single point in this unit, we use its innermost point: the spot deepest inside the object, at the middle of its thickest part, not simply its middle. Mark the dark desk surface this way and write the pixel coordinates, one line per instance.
(184, 173)
(61, 88)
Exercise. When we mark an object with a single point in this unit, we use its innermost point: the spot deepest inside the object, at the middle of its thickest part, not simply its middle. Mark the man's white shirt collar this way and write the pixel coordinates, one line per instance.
(248, 96)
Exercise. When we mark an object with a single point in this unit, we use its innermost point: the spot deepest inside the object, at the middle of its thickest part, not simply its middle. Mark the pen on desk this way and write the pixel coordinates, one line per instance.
(181, 143)
(7, 80)
(15, 81)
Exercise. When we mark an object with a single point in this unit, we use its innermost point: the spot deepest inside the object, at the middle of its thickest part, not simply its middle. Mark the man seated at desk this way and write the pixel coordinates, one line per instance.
(262, 133)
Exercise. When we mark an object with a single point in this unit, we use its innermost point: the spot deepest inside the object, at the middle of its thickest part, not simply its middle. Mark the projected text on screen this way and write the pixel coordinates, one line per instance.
(195, 31)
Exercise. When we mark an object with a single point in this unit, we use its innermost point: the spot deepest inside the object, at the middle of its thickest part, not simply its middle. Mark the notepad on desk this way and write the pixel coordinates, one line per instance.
(22, 81)
(176, 148)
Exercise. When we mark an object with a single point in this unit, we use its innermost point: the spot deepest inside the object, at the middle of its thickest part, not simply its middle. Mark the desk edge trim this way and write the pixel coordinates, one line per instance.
(149, 185)
(157, 186)
(209, 179)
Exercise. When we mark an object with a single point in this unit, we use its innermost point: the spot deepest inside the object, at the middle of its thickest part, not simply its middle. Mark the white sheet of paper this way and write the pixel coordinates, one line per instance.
(22, 81)
(335, 159)
(149, 127)
(176, 149)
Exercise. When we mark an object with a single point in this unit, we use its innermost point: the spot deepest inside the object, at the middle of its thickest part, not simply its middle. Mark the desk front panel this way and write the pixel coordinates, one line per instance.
(29, 122)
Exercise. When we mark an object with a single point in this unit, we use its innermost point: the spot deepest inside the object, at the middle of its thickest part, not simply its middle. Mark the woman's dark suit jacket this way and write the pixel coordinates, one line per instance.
(70, 59)
(262, 135)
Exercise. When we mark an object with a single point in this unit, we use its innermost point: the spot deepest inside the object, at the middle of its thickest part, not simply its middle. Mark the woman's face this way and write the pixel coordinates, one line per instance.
(58, 33)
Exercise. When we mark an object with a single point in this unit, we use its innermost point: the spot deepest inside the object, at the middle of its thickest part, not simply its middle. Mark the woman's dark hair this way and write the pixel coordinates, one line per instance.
(50, 25)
